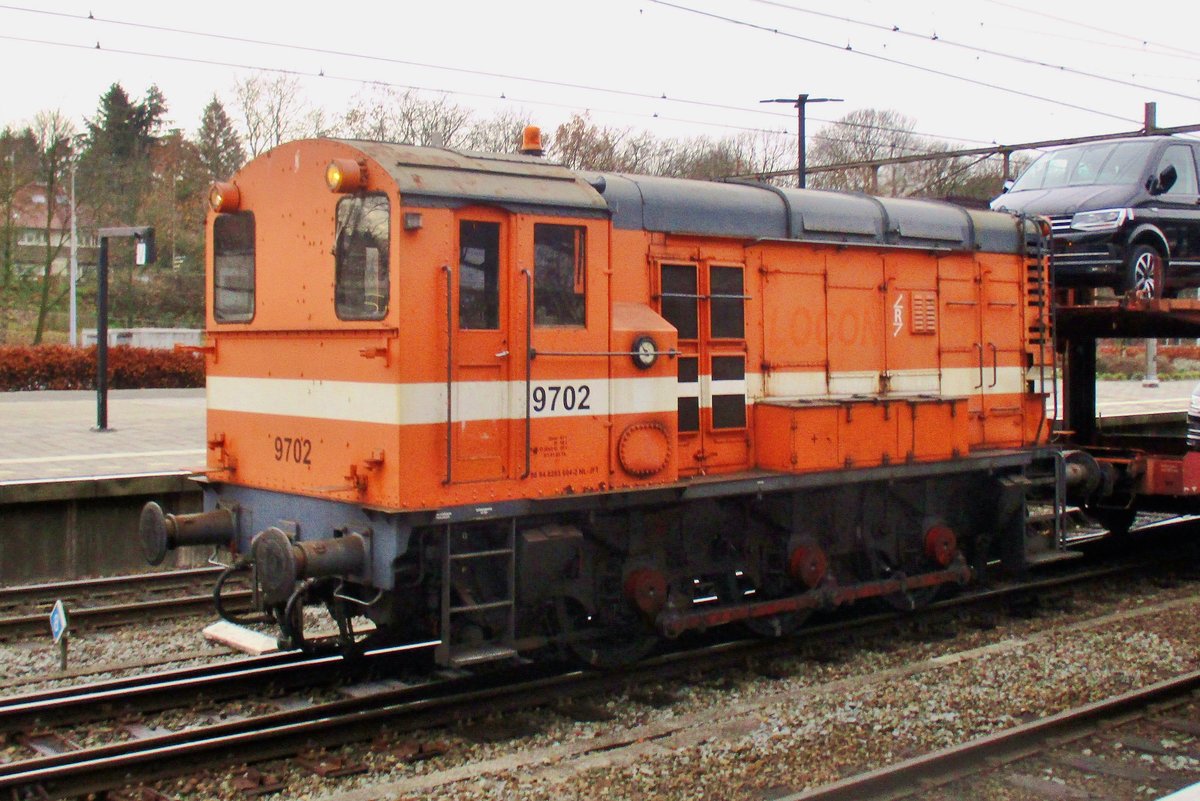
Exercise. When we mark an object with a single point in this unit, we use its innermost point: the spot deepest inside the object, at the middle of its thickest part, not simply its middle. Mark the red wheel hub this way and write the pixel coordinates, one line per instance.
(647, 588)
(941, 545)
(807, 565)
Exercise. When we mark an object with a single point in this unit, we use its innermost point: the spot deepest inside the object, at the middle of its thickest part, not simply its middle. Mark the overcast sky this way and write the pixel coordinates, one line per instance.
(959, 68)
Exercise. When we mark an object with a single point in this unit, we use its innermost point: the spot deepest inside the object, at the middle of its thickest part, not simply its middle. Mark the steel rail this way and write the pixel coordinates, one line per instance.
(91, 616)
(919, 771)
(19, 593)
(170, 689)
(154, 691)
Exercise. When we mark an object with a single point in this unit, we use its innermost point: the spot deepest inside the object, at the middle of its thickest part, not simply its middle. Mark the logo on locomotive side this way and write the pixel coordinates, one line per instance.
(898, 314)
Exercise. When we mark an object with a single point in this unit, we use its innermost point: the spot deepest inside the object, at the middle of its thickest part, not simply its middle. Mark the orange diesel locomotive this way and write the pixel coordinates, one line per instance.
(493, 402)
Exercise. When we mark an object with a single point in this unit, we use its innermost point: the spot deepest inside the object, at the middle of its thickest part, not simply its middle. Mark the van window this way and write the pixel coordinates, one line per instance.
(1179, 157)
(233, 267)
(1099, 163)
(362, 285)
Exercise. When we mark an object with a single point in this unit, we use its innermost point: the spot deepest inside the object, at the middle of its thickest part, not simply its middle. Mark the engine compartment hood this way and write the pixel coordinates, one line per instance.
(1067, 199)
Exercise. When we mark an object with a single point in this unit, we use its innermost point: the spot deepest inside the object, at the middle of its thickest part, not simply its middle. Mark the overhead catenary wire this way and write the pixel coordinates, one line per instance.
(944, 42)
(888, 60)
(323, 74)
(1118, 34)
(952, 174)
(1060, 36)
(641, 95)
(377, 82)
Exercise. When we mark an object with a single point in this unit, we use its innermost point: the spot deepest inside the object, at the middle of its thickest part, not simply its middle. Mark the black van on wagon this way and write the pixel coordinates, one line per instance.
(1117, 208)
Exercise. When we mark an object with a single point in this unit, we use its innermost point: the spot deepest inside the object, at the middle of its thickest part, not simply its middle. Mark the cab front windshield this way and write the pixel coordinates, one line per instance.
(1099, 163)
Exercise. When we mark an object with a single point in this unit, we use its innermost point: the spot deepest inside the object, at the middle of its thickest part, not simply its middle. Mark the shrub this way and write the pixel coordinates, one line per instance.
(1126, 360)
(64, 367)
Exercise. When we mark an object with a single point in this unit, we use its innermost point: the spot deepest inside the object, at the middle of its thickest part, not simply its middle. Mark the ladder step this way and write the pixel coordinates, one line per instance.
(1050, 557)
(477, 654)
(481, 554)
(1042, 517)
(454, 610)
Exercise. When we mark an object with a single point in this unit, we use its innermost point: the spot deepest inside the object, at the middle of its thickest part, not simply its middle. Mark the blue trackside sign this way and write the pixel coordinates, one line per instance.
(58, 620)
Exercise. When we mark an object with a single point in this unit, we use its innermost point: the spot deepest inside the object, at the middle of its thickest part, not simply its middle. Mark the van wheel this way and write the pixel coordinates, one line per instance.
(1142, 270)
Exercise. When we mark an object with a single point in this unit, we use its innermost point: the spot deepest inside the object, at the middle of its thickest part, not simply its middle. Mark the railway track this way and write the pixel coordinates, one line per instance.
(1103, 741)
(98, 602)
(105, 586)
(64, 771)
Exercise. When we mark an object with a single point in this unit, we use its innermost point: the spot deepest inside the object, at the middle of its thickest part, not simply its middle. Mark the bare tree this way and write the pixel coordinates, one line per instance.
(580, 144)
(52, 130)
(273, 110)
(393, 116)
(864, 135)
(500, 133)
(710, 159)
(18, 166)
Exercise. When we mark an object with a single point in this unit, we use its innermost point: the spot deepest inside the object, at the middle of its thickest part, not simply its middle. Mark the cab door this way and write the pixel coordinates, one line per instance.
(480, 417)
(561, 307)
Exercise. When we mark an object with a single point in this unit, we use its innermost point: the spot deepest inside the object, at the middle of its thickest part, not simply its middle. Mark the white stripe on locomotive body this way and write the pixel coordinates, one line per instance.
(854, 382)
(726, 387)
(425, 403)
(949, 382)
(971, 381)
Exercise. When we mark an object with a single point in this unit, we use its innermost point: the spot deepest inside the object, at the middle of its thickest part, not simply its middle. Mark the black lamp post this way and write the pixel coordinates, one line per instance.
(145, 254)
(800, 101)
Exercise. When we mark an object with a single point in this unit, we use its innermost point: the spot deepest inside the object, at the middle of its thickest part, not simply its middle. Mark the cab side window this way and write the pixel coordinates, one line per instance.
(361, 249)
(559, 275)
(478, 276)
(233, 267)
(1179, 157)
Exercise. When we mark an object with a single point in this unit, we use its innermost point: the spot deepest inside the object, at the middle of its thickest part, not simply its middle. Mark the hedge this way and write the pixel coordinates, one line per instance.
(63, 367)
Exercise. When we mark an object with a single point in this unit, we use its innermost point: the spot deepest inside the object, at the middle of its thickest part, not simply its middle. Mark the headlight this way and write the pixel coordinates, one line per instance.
(1104, 220)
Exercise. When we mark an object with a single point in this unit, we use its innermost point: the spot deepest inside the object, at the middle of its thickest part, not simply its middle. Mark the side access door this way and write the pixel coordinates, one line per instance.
(706, 302)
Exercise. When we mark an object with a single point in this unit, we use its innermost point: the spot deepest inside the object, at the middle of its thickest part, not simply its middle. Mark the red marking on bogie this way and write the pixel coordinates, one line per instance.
(807, 565)
(647, 588)
(941, 545)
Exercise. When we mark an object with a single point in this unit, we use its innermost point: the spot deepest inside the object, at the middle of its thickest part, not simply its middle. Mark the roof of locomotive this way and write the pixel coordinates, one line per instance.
(444, 177)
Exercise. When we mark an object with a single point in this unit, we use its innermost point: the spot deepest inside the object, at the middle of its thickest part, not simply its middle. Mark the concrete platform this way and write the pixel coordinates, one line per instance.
(46, 436)
(70, 496)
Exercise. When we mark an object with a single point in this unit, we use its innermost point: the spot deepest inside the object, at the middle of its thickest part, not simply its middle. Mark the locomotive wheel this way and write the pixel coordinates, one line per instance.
(1117, 521)
(588, 640)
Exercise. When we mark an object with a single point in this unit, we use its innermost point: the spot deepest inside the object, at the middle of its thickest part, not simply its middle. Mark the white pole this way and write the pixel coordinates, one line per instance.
(72, 336)
(1151, 379)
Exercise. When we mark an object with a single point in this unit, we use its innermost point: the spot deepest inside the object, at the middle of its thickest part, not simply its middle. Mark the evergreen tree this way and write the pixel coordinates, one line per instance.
(117, 174)
(219, 145)
(115, 170)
